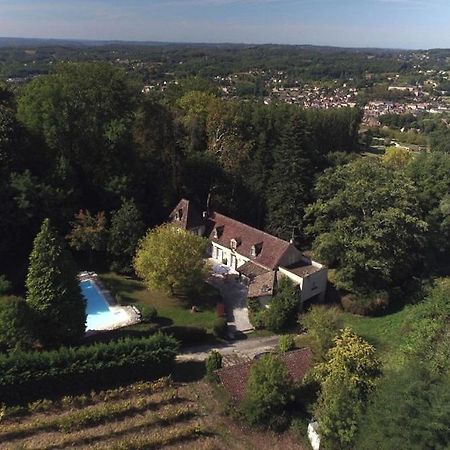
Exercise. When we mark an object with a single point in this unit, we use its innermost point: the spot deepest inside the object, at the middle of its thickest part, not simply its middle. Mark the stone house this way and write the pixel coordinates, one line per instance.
(259, 258)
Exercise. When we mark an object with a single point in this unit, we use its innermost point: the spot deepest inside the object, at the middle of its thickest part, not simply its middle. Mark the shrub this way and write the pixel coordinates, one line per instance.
(283, 307)
(15, 324)
(322, 324)
(213, 363)
(366, 304)
(268, 392)
(286, 343)
(185, 334)
(31, 375)
(220, 327)
(258, 319)
(148, 313)
(256, 313)
(253, 305)
(5, 285)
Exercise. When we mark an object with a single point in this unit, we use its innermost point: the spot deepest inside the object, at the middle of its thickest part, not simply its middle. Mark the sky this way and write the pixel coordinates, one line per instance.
(350, 23)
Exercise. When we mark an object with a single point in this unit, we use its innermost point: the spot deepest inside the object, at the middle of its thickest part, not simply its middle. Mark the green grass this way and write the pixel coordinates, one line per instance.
(384, 333)
(171, 310)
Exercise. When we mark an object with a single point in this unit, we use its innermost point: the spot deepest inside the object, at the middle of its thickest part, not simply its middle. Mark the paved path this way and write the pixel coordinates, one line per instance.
(233, 351)
(234, 295)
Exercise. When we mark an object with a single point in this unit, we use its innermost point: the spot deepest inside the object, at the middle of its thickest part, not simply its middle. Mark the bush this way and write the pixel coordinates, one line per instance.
(148, 313)
(366, 304)
(283, 307)
(220, 327)
(213, 363)
(286, 343)
(258, 319)
(268, 392)
(5, 285)
(26, 376)
(322, 325)
(184, 334)
(15, 324)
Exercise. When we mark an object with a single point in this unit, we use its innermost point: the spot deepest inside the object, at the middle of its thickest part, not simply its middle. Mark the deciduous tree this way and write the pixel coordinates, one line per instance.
(366, 224)
(171, 259)
(346, 379)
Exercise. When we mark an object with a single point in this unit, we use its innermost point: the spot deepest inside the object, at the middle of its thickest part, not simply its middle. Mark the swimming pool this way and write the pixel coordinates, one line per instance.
(101, 316)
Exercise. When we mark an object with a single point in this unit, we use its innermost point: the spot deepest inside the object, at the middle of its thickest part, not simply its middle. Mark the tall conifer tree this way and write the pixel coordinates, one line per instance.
(291, 180)
(53, 291)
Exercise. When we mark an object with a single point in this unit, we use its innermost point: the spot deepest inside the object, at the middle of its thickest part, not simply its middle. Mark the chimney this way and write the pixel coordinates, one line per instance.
(208, 201)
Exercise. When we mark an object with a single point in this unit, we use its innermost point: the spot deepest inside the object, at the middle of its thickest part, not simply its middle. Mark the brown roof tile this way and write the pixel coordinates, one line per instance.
(251, 270)
(262, 285)
(234, 378)
(270, 249)
(303, 271)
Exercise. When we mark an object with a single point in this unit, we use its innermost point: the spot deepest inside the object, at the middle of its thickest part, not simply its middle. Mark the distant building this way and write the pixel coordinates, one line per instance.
(258, 257)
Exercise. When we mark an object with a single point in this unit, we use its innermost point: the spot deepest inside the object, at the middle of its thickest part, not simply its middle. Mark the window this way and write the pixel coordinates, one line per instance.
(256, 249)
(215, 234)
(233, 244)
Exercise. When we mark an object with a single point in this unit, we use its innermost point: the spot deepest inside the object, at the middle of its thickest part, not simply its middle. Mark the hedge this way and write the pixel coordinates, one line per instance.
(25, 376)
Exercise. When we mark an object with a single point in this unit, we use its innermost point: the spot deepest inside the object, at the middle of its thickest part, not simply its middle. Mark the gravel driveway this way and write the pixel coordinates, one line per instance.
(234, 295)
(233, 352)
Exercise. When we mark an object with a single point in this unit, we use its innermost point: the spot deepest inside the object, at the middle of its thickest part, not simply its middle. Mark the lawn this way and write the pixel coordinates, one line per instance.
(385, 333)
(171, 310)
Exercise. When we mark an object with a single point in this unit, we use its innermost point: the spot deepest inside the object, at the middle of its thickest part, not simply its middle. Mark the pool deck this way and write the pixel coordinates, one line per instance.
(130, 315)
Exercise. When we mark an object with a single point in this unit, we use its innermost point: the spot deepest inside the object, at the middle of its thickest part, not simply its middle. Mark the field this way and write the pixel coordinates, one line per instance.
(171, 310)
(160, 414)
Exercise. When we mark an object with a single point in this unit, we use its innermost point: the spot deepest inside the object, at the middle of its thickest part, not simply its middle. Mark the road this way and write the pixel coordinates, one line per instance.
(234, 351)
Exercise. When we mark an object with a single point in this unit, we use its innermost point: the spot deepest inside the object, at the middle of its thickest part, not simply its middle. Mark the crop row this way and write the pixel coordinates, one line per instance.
(164, 417)
(157, 439)
(77, 401)
(88, 417)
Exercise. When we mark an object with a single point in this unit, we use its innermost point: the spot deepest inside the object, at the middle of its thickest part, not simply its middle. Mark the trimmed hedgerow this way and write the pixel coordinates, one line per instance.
(29, 375)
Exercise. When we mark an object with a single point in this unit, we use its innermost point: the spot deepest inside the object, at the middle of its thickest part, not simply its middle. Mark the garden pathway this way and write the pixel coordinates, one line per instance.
(234, 295)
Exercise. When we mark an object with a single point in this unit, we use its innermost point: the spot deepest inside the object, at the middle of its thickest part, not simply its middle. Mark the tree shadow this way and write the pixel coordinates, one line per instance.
(163, 321)
(188, 371)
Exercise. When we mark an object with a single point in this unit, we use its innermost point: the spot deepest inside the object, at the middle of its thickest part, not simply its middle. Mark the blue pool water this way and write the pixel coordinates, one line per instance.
(99, 315)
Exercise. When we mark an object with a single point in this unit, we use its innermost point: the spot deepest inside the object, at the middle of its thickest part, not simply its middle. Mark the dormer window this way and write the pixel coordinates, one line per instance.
(217, 232)
(179, 214)
(256, 249)
(235, 243)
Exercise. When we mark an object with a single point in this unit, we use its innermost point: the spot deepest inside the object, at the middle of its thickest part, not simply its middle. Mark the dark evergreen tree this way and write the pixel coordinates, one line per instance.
(127, 227)
(291, 180)
(15, 324)
(53, 291)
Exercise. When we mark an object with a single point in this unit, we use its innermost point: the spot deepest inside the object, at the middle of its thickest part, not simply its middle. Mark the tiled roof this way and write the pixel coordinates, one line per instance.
(234, 378)
(303, 271)
(251, 270)
(262, 285)
(269, 249)
(190, 215)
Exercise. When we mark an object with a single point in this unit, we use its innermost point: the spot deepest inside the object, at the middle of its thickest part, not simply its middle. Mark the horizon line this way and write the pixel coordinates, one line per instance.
(85, 40)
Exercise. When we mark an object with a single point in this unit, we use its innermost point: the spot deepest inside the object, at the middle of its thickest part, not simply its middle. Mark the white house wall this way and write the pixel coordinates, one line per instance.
(227, 253)
(311, 285)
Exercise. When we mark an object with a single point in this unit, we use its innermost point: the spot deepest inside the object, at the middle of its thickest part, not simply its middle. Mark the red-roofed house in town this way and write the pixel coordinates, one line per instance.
(259, 258)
